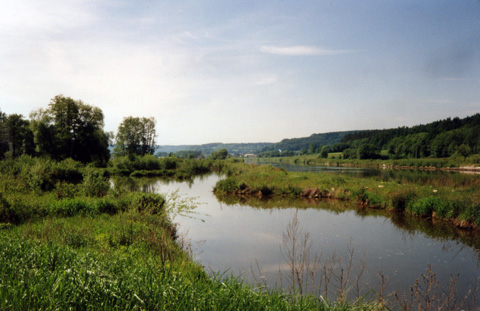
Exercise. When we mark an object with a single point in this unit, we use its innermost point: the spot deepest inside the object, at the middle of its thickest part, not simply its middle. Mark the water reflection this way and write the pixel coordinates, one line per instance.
(241, 231)
(428, 177)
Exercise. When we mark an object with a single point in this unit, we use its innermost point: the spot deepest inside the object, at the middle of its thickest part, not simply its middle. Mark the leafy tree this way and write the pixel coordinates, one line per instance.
(324, 151)
(350, 153)
(464, 151)
(135, 136)
(312, 148)
(367, 151)
(220, 154)
(3, 134)
(18, 135)
(71, 129)
(188, 154)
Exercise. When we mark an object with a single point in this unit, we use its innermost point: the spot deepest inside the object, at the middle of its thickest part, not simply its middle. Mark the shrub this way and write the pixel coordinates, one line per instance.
(228, 185)
(65, 190)
(67, 169)
(266, 190)
(150, 203)
(402, 200)
(471, 214)
(137, 174)
(426, 206)
(169, 163)
(71, 207)
(147, 162)
(107, 206)
(95, 184)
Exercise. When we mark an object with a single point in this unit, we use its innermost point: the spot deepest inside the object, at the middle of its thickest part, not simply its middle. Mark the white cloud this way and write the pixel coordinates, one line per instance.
(266, 79)
(299, 50)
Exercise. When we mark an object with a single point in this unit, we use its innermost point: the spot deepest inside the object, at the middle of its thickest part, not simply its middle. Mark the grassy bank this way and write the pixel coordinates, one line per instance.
(127, 261)
(70, 241)
(443, 198)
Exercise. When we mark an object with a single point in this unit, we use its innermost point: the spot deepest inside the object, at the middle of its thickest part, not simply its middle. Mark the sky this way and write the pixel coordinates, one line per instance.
(245, 71)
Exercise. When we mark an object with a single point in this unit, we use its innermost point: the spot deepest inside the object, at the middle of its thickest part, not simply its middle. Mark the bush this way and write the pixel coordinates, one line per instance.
(65, 190)
(150, 203)
(402, 200)
(14, 211)
(95, 184)
(266, 190)
(107, 206)
(471, 214)
(169, 163)
(426, 206)
(228, 185)
(71, 207)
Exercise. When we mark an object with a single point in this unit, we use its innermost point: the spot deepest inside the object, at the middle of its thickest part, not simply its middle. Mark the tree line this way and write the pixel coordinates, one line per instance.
(439, 139)
(69, 128)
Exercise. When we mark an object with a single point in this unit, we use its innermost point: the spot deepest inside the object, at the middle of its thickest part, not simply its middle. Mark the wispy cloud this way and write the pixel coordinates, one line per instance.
(266, 80)
(300, 50)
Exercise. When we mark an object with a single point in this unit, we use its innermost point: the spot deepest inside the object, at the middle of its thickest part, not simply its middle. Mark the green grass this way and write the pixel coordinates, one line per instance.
(70, 242)
(126, 261)
(453, 198)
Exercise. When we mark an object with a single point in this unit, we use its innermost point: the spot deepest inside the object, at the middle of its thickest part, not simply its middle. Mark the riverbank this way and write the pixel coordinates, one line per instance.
(69, 240)
(445, 199)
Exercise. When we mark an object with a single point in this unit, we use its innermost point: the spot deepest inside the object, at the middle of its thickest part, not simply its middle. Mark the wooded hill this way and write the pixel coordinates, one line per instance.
(439, 139)
(288, 146)
(206, 149)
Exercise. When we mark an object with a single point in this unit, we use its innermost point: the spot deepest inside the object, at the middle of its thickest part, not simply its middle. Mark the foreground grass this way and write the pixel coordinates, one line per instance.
(121, 262)
(68, 241)
(456, 201)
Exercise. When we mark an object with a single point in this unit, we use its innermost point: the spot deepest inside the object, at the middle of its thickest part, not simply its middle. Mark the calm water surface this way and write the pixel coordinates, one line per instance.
(233, 237)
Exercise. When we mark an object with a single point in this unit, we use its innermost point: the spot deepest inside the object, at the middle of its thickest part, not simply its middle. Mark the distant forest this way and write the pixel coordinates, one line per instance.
(439, 139)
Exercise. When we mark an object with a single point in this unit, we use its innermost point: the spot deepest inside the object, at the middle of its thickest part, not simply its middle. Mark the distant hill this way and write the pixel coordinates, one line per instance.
(291, 144)
(439, 139)
(296, 144)
(206, 149)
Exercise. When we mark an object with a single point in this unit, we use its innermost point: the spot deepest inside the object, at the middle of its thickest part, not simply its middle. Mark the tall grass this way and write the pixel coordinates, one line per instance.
(441, 198)
(121, 262)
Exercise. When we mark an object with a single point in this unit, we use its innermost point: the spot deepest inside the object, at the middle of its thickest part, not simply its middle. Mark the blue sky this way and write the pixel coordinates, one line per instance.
(245, 71)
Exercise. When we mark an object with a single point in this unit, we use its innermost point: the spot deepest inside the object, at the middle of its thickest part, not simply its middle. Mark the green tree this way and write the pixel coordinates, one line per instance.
(220, 154)
(135, 136)
(18, 135)
(3, 134)
(350, 153)
(464, 151)
(312, 148)
(71, 129)
(324, 151)
(367, 151)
